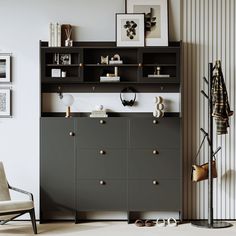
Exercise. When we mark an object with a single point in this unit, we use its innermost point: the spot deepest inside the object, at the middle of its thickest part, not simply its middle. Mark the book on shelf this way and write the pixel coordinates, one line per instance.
(115, 62)
(54, 35)
(158, 76)
(109, 78)
(98, 114)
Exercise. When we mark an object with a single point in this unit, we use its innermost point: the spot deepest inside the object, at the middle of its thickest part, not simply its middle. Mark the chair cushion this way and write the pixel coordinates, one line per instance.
(11, 206)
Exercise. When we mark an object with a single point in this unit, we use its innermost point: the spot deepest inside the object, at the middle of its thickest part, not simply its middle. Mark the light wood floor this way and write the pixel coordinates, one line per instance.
(110, 229)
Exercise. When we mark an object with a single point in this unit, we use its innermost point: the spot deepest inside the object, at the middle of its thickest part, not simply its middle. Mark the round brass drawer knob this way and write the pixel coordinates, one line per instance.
(81, 64)
(140, 64)
(102, 121)
(154, 122)
(102, 152)
(72, 134)
(102, 182)
(155, 152)
(154, 182)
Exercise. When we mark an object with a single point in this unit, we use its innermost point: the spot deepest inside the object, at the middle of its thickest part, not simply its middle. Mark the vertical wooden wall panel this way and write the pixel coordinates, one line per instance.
(208, 34)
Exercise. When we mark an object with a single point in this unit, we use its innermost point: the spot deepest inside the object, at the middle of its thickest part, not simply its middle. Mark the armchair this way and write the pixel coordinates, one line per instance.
(10, 209)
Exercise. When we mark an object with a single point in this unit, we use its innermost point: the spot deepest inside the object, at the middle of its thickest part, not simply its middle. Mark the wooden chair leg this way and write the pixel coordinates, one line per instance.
(32, 216)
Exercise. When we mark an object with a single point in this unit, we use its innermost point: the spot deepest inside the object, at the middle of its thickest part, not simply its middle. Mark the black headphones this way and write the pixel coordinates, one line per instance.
(128, 102)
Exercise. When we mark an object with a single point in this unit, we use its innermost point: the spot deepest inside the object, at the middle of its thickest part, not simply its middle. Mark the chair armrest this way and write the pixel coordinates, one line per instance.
(21, 191)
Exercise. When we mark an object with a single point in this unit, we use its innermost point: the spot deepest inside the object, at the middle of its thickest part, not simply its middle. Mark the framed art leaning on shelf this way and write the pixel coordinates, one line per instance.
(156, 19)
(129, 30)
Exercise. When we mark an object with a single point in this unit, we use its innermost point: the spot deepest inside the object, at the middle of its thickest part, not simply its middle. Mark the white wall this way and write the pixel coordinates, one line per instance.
(22, 24)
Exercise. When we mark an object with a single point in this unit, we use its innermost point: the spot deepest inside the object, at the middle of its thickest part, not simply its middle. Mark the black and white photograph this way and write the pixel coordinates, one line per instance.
(156, 19)
(65, 59)
(4, 68)
(130, 30)
(5, 102)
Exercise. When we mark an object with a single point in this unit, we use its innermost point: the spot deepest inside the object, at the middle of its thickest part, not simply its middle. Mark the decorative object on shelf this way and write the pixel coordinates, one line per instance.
(56, 58)
(124, 101)
(54, 35)
(5, 102)
(158, 107)
(104, 60)
(56, 73)
(5, 68)
(158, 70)
(98, 112)
(63, 74)
(68, 32)
(129, 30)
(111, 77)
(156, 19)
(116, 59)
(67, 100)
(157, 73)
(65, 59)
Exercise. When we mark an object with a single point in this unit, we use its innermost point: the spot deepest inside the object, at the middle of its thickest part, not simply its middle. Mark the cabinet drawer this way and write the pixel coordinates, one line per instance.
(102, 163)
(102, 132)
(154, 163)
(144, 195)
(96, 195)
(151, 132)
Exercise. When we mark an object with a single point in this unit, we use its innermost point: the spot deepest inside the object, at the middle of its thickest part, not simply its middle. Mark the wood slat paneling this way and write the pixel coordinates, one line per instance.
(208, 34)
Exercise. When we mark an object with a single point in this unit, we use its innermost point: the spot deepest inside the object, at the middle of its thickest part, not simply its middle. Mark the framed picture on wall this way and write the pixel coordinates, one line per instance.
(5, 102)
(5, 68)
(129, 30)
(156, 19)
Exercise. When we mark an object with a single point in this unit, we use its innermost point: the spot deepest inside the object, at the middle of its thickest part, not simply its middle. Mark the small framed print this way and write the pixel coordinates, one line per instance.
(156, 19)
(65, 59)
(5, 102)
(129, 30)
(5, 68)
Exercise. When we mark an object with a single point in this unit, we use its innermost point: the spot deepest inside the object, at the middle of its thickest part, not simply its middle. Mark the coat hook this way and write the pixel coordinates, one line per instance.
(59, 92)
(204, 94)
(205, 79)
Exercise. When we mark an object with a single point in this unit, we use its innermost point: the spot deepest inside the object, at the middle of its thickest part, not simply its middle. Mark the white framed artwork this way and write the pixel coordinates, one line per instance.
(156, 19)
(5, 68)
(129, 30)
(5, 102)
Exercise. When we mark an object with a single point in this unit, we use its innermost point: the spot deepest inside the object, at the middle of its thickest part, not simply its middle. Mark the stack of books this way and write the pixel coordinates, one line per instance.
(115, 62)
(98, 114)
(54, 35)
(158, 76)
(109, 78)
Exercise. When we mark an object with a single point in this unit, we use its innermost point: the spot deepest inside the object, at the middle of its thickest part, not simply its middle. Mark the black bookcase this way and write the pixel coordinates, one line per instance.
(85, 68)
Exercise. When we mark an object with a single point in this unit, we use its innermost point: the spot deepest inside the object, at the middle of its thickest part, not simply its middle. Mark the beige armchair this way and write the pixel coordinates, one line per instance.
(10, 209)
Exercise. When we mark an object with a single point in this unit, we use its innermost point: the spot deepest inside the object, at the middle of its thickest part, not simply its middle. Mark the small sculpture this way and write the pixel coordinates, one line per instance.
(104, 60)
(116, 59)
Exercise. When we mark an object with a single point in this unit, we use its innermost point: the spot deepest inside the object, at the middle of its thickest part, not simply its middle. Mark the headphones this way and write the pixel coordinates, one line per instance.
(128, 102)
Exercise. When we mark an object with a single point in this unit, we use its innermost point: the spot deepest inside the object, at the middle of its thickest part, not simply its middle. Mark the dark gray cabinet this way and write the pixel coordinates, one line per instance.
(111, 164)
(154, 164)
(101, 195)
(101, 164)
(57, 169)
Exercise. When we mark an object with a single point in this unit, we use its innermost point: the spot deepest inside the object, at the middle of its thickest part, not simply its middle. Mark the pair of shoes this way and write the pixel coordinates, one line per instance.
(147, 223)
(170, 222)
